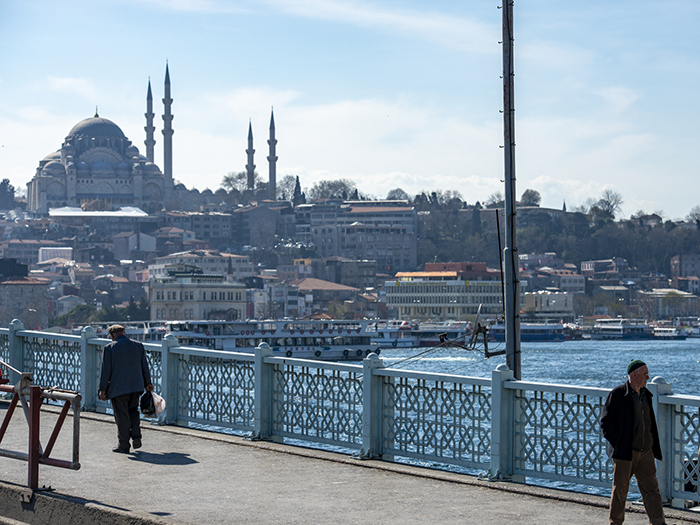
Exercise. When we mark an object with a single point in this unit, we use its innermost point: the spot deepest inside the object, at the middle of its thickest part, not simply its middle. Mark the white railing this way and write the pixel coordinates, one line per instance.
(512, 429)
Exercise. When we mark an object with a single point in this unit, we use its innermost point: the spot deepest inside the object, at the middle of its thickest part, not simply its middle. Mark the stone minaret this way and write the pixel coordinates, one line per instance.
(272, 159)
(150, 128)
(168, 133)
(250, 167)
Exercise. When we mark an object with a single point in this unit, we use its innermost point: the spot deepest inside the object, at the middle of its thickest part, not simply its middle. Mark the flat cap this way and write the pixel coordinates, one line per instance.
(115, 329)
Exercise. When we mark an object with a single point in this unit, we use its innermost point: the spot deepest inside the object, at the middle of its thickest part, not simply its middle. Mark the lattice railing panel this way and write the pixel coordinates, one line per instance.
(54, 363)
(439, 421)
(684, 461)
(317, 404)
(557, 436)
(214, 391)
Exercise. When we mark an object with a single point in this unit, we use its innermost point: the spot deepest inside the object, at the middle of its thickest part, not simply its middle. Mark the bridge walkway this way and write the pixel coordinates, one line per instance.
(188, 476)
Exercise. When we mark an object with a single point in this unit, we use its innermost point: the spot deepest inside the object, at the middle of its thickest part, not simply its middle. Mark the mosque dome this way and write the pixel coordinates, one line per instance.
(122, 169)
(207, 192)
(132, 151)
(180, 186)
(151, 168)
(102, 169)
(221, 191)
(56, 155)
(96, 127)
(53, 168)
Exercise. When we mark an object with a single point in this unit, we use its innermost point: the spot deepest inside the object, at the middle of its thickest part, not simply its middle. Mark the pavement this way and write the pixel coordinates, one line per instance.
(187, 476)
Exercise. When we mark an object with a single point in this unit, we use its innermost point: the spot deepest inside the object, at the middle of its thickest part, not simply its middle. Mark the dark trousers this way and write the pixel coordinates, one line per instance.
(127, 417)
(643, 468)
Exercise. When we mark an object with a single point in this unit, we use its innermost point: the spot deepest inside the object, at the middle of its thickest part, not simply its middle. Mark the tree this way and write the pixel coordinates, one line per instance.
(238, 181)
(694, 215)
(495, 200)
(610, 202)
(530, 198)
(397, 194)
(297, 196)
(7, 195)
(331, 189)
(285, 187)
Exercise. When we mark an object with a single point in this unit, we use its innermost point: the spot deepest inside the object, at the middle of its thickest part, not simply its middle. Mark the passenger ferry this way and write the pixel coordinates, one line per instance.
(548, 331)
(669, 333)
(326, 340)
(393, 334)
(144, 331)
(621, 328)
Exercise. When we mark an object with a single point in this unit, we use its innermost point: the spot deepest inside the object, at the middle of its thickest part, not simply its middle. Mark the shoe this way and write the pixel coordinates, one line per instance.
(137, 443)
(121, 450)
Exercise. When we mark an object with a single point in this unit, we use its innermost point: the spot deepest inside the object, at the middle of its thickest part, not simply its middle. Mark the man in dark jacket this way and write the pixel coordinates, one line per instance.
(629, 426)
(124, 376)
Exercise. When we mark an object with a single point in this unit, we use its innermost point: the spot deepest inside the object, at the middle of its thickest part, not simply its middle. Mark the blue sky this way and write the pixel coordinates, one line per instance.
(390, 94)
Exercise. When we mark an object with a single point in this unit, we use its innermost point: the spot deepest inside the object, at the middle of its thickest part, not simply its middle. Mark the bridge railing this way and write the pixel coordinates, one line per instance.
(512, 429)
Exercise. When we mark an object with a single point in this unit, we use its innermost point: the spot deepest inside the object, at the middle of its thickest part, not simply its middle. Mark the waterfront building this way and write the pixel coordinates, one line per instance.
(186, 292)
(546, 305)
(443, 295)
(235, 267)
(685, 265)
(667, 303)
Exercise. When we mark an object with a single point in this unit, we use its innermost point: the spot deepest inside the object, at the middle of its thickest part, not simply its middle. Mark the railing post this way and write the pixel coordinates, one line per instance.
(169, 381)
(671, 466)
(372, 408)
(16, 350)
(262, 425)
(501, 424)
(34, 441)
(88, 369)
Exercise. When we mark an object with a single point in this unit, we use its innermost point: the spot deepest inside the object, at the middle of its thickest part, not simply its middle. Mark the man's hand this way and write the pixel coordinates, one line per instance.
(103, 395)
(149, 388)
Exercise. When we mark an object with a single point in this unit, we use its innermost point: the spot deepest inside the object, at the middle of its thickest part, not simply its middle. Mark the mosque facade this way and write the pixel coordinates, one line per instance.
(98, 168)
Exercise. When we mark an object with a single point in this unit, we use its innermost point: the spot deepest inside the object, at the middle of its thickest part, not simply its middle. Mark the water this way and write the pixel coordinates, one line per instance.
(578, 363)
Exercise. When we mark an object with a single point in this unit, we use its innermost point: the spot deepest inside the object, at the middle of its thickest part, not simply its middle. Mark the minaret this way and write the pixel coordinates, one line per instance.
(167, 133)
(272, 159)
(250, 167)
(150, 128)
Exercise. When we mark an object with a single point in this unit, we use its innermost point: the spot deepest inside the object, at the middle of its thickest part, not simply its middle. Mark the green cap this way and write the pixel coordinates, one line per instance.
(634, 364)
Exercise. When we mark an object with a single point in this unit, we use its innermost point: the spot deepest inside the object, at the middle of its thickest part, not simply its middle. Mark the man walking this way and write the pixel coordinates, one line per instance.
(124, 376)
(629, 426)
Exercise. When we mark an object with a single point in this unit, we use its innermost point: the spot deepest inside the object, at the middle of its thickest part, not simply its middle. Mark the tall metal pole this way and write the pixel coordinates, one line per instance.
(510, 259)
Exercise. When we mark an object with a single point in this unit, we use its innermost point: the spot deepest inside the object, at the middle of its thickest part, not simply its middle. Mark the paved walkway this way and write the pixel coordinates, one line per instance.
(188, 476)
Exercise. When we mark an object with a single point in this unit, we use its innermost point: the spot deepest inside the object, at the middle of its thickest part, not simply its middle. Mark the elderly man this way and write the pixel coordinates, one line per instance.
(124, 376)
(629, 426)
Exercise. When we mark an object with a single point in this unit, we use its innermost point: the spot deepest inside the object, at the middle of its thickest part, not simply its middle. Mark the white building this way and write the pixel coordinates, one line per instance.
(234, 267)
(442, 296)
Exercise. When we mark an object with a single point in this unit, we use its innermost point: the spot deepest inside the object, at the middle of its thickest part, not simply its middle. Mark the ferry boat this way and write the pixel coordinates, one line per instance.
(621, 328)
(429, 333)
(393, 334)
(325, 340)
(548, 331)
(144, 331)
(669, 333)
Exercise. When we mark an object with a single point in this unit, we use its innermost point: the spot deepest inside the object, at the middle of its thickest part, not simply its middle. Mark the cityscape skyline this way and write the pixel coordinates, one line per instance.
(389, 97)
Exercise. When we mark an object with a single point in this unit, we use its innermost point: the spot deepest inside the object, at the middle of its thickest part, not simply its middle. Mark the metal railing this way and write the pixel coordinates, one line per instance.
(512, 429)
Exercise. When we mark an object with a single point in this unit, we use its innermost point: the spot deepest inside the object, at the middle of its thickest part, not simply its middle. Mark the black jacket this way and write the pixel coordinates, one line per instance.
(124, 368)
(617, 422)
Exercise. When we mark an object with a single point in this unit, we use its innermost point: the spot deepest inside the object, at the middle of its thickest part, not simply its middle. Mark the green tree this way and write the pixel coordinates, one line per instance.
(7, 195)
(530, 198)
(331, 189)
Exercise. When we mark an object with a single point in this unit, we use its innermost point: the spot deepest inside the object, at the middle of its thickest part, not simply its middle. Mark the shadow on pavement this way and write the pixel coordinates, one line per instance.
(165, 458)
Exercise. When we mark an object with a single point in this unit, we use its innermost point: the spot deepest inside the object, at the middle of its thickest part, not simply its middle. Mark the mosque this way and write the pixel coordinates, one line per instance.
(98, 168)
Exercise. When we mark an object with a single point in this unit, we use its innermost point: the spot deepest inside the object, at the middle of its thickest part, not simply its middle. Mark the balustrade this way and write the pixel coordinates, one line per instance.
(512, 429)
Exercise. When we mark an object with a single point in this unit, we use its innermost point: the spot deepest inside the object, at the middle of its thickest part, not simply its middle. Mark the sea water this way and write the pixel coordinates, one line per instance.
(576, 363)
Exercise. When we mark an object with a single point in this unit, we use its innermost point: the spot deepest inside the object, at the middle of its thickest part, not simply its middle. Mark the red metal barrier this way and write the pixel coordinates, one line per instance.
(30, 397)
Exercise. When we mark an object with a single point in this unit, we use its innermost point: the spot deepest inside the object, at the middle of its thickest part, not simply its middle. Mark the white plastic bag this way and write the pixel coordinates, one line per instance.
(159, 402)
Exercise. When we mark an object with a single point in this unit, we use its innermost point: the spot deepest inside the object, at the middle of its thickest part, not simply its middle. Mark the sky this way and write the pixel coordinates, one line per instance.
(389, 94)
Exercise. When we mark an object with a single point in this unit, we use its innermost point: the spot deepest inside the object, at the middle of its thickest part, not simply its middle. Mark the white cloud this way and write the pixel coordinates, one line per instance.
(78, 86)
